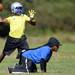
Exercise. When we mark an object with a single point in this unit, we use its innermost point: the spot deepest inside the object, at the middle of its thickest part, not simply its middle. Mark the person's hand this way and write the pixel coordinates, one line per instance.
(32, 13)
(1, 19)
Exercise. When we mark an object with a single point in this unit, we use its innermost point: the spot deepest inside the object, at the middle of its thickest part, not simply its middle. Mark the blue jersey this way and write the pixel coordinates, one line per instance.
(37, 54)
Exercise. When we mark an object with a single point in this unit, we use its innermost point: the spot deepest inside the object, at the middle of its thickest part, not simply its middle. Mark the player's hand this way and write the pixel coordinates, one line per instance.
(1, 19)
(32, 13)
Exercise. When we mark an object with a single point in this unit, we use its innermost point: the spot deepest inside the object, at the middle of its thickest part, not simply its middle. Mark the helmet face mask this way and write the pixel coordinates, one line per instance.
(17, 8)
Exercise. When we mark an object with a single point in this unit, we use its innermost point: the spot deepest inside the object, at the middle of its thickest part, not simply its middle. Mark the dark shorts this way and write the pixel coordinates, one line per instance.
(28, 64)
(13, 43)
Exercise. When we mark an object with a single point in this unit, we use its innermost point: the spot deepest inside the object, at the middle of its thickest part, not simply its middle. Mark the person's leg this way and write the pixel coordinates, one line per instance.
(19, 67)
(34, 68)
(2, 56)
(30, 66)
(10, 46)
(27, 64)
(23, 45)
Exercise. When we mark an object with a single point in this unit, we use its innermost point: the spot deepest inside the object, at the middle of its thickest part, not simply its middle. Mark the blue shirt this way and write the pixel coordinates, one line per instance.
(37, 54)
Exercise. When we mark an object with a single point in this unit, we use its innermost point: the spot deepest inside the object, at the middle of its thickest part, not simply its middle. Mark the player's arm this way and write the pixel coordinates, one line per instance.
(3, 20)
(32, 19)
(43, 65)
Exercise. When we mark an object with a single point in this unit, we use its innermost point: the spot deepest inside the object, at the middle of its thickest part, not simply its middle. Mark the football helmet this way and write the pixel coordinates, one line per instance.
(17, 8)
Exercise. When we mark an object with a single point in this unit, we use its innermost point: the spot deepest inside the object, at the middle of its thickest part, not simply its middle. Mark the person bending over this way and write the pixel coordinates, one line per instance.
(40, 55)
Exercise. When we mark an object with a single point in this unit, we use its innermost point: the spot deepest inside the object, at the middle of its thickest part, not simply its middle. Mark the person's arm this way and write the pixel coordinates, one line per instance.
(43, 65)
(3, 20)
(32, 19)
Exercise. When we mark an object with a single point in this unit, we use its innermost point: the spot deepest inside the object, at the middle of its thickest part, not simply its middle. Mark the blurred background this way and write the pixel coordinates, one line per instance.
(54, 18)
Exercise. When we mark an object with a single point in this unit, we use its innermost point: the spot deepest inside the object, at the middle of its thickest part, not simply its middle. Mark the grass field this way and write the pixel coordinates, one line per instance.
(64, 65)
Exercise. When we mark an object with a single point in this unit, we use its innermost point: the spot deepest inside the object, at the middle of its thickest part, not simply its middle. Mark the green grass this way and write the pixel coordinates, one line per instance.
(63, 65)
